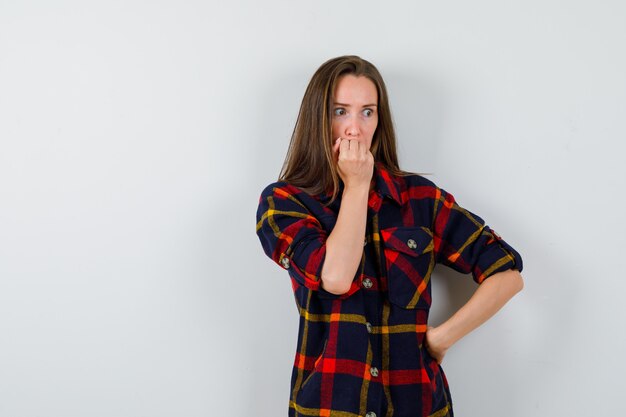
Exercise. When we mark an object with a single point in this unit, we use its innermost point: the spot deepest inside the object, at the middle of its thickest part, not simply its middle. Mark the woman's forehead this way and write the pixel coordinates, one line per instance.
(353, 89)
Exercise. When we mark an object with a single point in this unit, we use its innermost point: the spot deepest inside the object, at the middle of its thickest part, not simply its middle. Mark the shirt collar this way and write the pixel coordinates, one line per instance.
(385, 184)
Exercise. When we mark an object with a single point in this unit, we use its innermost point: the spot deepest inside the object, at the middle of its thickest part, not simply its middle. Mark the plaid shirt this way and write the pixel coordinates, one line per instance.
(361, 353)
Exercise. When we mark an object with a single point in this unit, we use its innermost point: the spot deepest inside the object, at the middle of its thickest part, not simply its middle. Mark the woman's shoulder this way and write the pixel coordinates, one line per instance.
(283, 192)
(294, 201)
(282, 189)
(272, 187)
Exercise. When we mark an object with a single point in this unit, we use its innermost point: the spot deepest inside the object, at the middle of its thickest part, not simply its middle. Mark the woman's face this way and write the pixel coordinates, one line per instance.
(355, 109)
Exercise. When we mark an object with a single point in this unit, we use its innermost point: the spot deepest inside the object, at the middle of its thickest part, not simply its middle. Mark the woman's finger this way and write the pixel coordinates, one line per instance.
(344, 146)
(354, 146)
(336, 144)
(362, 150)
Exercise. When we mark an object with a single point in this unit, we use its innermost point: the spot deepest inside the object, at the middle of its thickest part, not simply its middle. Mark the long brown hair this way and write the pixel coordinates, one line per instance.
(309, 163)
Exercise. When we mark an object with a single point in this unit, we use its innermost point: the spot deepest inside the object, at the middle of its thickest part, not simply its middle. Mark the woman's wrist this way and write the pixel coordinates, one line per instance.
(443, 336)
(357, 189)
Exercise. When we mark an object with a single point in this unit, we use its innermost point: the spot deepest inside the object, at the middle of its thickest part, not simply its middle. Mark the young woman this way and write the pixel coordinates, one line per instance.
(360, 238)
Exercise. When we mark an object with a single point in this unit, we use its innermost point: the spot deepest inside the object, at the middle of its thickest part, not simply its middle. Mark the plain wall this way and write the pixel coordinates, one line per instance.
(136, 137)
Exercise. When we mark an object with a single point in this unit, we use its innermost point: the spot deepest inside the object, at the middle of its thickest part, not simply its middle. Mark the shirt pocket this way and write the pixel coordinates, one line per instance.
(308, 395)
(410, 259)
(316, 366)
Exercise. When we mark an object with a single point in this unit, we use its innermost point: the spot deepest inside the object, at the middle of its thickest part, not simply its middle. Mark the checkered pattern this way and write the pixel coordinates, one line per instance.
(362, 353)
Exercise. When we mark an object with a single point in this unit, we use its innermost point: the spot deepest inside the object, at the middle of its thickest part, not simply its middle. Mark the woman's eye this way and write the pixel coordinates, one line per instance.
(339, 111)
(368, 112)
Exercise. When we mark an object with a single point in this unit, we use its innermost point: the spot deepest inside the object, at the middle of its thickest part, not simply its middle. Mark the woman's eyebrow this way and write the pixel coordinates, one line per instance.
(348, 105)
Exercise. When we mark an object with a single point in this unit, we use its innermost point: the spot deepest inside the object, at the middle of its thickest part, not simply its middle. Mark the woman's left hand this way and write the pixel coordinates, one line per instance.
(432, 342)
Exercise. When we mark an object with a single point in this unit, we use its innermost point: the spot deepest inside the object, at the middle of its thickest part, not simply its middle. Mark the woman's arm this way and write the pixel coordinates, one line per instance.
(488, 298)
(344, 245)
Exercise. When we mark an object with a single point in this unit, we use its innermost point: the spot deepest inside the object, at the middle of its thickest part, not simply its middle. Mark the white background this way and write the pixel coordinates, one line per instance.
(136, 136)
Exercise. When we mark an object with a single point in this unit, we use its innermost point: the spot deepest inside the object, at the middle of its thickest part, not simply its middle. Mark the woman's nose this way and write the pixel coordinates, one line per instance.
(353, 127)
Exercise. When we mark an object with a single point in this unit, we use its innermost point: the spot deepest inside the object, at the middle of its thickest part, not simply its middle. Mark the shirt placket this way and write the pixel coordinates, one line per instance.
(373, 306)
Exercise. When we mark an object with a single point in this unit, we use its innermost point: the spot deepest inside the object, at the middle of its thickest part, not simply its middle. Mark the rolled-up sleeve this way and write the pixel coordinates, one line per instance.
(290, 235)
(466, 244)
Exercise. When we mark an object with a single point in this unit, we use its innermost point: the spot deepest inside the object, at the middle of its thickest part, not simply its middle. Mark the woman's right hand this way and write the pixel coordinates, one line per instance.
(344, 245)
(355, 163)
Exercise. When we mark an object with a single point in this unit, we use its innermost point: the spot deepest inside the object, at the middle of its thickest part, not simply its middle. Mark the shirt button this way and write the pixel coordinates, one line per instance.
(285, 263)
(370, 414)
(374, 371)
(411, 244)
(367, 283)
(369, 327)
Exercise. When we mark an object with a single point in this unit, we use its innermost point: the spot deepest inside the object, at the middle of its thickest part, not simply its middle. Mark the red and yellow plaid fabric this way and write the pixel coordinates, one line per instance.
(361, 353)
